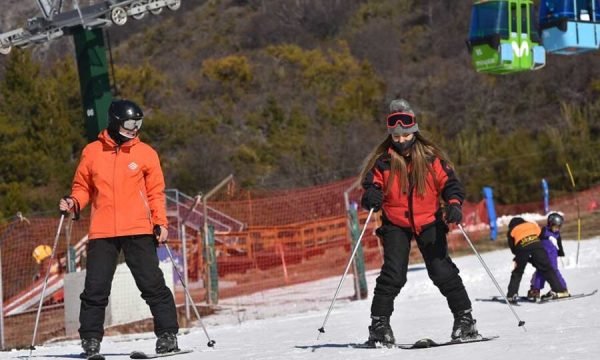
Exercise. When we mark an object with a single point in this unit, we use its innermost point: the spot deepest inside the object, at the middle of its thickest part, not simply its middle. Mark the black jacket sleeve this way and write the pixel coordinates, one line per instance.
(452, 189)
(374, 177)
(373, 180)
(559, 244)
(511, 243)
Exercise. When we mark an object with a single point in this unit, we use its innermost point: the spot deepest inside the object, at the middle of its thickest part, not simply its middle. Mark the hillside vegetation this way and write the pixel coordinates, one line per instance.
(293, 93)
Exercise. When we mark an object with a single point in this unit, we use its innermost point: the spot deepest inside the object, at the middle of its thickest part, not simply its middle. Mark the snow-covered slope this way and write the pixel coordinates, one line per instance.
(274, 325)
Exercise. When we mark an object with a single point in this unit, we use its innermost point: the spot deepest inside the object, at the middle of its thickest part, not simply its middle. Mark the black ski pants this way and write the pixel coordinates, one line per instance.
(441, 270)
(141, 258)
(536, 254)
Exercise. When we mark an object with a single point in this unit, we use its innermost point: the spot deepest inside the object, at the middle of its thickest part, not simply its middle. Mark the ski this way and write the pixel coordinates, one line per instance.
(369, 345)
(92, 357)
(524, 299)
(428, 343)
(143, 355)
(574, 296)
(500, 299)
(421, 344)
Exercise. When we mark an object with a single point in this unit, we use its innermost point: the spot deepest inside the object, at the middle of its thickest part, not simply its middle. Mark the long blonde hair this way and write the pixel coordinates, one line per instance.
(421, 154)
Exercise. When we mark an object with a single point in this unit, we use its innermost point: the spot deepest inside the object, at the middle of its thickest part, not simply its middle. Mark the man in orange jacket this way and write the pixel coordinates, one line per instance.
(120, 176)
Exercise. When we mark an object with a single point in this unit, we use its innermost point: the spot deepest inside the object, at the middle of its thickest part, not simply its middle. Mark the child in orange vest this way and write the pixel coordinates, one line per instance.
(524, 242)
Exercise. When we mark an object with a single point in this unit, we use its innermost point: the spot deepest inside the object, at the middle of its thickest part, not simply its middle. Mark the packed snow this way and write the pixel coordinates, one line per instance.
(282, 323)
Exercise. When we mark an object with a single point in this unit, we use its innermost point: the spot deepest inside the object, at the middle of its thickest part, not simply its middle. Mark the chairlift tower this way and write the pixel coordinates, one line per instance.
(85, 24)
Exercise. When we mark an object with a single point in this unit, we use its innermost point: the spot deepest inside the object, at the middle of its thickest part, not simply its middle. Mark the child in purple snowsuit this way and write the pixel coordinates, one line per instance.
(552, 242)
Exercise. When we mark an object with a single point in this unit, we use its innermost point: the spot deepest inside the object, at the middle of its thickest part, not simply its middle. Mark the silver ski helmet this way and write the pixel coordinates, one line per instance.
(555, 219)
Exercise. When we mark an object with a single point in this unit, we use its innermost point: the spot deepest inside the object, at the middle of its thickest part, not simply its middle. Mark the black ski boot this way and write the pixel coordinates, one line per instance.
(90, 346)
(166, 342)
(513, 299)
(381, 332)
(464, 326)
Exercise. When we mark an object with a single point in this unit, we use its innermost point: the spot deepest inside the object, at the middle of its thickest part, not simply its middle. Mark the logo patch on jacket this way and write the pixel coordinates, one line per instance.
(132, 165)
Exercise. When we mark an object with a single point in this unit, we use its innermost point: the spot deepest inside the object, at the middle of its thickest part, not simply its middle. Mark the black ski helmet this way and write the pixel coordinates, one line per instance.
(555, 219)
(120, 111)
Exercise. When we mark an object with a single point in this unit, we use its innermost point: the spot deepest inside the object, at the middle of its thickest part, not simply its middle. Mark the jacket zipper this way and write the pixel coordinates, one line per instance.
(114, 192)
(411, 216)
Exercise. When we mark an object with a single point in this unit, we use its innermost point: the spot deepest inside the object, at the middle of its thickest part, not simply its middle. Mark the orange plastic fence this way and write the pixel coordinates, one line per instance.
(287, 237)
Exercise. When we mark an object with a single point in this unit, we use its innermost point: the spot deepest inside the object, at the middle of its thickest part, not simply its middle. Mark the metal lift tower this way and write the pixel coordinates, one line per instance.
(85, 25)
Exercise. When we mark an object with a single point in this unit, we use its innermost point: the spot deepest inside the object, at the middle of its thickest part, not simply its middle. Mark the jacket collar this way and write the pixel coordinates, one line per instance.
(108, 142)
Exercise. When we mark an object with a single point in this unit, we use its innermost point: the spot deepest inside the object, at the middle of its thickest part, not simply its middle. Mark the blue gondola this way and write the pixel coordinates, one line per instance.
(570, 26)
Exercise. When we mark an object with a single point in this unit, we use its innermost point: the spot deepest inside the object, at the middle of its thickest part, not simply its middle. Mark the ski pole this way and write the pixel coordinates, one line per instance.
(191, 210)
(50, 263)
(521, 322)
(322, 328)
(211, 342)
(578, 212)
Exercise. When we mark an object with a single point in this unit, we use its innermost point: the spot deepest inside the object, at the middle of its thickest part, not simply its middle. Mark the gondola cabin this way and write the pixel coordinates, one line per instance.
(502, 37)
(570, 26)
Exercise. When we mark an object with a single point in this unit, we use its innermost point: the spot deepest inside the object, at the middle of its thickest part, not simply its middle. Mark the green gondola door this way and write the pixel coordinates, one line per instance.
(502, 39)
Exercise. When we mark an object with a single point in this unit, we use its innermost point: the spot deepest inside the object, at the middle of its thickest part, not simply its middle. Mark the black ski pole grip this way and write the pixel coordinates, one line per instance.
(77, 210)
(65, 212)
(156, 230)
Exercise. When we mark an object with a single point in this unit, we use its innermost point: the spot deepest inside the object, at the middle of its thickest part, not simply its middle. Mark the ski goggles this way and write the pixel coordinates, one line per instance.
(132, 124)
(406, 120)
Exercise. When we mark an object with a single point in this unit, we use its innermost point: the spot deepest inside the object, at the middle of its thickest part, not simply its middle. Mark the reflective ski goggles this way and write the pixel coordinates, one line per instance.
(405, 120)
(132, 124)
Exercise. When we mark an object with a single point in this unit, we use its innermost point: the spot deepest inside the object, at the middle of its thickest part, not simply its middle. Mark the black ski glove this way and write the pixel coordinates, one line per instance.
(453, 213)
(372, 198)
(561, 253)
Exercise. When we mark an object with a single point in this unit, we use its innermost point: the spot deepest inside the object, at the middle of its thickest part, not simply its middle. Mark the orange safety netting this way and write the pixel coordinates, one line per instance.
(283, 237)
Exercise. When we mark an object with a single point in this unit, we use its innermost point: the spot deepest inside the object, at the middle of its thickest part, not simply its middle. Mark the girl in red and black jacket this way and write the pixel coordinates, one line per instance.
(406, 176)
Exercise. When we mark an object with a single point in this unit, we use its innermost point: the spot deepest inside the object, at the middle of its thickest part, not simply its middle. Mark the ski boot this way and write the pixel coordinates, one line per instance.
(552, 295)
(513, 299)
(166, 342)
(464, 326)
(90, 346)
(381, 332)
(533, 294)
